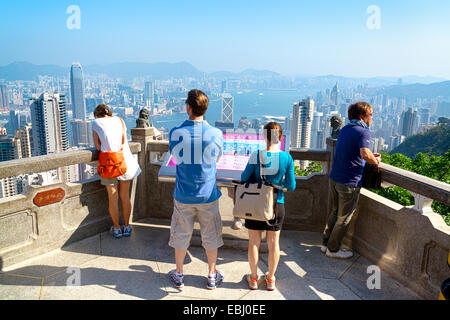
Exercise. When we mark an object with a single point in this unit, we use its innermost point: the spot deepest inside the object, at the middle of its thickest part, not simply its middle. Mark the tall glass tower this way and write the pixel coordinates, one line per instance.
(77, 92)
(227, 107)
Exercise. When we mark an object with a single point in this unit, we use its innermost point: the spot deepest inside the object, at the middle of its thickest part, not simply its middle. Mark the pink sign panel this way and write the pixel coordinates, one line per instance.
(237, 149)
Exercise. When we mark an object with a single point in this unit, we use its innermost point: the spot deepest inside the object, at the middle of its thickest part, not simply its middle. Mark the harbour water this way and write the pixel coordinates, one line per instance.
(250, 104)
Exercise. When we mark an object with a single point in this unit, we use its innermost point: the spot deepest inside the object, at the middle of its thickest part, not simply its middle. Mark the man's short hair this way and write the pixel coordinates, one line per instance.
(358, 110)
(198, 101)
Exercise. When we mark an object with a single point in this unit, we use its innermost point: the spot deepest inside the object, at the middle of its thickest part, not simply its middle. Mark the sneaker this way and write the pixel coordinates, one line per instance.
(252, 282)
(117, 233)
(177, 280)
(341, 254)
(214, 281)
(323, 249)
(127, 231)
(270, 283)
(237, 224)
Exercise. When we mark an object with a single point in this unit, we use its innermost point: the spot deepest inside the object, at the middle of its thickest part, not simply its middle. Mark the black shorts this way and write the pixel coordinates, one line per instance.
(277, 223)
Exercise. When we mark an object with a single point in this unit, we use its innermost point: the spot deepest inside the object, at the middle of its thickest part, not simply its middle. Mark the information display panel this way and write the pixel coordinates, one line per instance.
(237, 148)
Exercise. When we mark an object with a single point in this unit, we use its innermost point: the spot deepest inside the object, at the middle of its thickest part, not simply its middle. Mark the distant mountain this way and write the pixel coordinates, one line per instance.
(435, 141)
(164, 70)
(417, 90)
(249, 73)
(158, 70)
(29, 71)
(258, 73)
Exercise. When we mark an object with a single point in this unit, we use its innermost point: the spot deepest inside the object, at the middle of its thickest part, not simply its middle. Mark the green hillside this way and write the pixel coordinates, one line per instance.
(435, 141)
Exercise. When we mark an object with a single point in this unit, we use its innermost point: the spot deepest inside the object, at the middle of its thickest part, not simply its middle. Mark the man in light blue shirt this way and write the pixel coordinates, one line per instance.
(196, 147)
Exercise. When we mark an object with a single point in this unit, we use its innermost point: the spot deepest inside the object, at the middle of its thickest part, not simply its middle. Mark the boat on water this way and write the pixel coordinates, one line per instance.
(260, 94)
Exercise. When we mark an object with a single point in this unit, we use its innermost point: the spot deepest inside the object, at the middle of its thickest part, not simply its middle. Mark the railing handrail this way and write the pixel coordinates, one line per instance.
(321, 155)
(53, 161)
(416, 183)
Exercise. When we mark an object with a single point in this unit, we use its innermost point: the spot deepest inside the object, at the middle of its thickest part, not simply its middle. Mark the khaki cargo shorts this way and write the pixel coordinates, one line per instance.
(182, 225)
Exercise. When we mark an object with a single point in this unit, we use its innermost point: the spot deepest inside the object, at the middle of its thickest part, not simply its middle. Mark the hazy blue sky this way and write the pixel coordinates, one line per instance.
(288, 36)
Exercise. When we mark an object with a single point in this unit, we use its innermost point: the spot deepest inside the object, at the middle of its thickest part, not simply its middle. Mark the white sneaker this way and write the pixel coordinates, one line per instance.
(237, 224)
(323, 249)
(341, 254)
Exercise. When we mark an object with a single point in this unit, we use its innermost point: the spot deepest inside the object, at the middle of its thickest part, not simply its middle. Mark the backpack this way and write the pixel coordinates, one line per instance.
(255, 201)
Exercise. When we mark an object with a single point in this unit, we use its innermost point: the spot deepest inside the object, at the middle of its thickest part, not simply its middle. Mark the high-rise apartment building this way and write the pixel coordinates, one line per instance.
(77, 92)
(425, 116)
(8, 187)
(302, 119)
(26, 140)
(227, 108)
(395, 141)
(49, 121)
(14, 120)
(409, 122)
(10, 148)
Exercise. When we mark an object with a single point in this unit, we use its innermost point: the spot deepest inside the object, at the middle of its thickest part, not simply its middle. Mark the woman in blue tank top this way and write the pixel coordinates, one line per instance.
(279, 170)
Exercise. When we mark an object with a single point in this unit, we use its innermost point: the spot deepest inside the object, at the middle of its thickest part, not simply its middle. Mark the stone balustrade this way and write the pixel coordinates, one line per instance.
(409, 243)
(44, 218)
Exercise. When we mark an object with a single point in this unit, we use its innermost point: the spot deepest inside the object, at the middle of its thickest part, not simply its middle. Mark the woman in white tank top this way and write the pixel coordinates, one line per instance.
(107, 131)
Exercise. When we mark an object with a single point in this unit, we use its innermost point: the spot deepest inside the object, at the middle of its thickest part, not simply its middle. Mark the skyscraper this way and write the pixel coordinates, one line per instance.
(149, 92)
(425, 116)
(77, 91)
(227, 107)
(409, 118)
(335, 98)
(223, 86)
(49, 121)
(82, 133)
(26, 140)
(3, 96)
(302, 119)
(14, 120)
(10, 148)
(315, 128)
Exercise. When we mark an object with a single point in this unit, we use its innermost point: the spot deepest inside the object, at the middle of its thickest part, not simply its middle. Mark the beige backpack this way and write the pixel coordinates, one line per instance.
(255, 201)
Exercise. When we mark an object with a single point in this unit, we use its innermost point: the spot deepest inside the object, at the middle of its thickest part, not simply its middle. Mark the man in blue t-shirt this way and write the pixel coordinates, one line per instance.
(351, 154)
(196, 147)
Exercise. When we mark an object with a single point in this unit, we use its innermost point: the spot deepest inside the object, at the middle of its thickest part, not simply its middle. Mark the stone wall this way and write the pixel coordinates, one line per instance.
(410, 244)
(80, 210)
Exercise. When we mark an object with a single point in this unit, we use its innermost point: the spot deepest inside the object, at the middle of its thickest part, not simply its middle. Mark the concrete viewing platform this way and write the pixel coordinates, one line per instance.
(54, 235)
(137, 267)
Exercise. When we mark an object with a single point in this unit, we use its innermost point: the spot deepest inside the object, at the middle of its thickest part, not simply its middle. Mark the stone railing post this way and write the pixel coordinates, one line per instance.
(422, 204)
(141, 201)
(331, 147)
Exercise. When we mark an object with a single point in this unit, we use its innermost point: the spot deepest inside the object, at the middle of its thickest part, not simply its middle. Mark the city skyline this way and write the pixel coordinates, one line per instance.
(291, 38)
